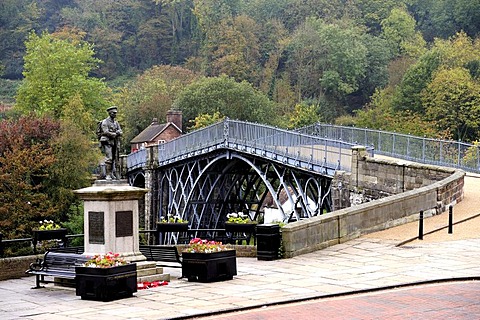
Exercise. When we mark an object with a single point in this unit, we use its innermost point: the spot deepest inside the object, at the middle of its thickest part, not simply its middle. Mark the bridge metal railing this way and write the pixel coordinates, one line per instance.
(137, 159)
(446, 153)
(288, 146)
(292, 147)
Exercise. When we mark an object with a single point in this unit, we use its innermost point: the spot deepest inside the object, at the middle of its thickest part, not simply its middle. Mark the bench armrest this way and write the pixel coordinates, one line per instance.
(36, 266)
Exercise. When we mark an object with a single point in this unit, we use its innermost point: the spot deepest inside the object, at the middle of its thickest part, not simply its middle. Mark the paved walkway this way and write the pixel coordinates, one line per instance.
(366, 264)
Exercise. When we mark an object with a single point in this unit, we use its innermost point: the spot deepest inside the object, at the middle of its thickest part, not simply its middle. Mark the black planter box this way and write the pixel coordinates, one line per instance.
(164, 228)
(240, 227)
(240, 231)
(268, 241)
(106, 284)
(209, 267)
(172, 227)
(42, 235)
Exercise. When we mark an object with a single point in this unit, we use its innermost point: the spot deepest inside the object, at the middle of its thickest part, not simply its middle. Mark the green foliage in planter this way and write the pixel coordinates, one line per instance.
(240, 218)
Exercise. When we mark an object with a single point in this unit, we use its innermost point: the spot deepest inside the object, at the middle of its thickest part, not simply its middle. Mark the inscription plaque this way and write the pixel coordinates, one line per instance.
(124, 224)
(96, 227)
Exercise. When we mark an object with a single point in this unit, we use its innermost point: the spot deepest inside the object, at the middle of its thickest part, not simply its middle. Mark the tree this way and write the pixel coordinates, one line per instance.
(399, 30)
(380, 114)
(150, 96)
(298, 11)
(41, 162)
(378, 58)
(76, 152)
(373, 12)
(303, 115)
(204, 120)
(57, 69)
(452, 101)
(25, 157)
(327, 59)
(222, 94)
(416, 78)
(457, 51)
(237, 53)
(17, 18)
(444, 18)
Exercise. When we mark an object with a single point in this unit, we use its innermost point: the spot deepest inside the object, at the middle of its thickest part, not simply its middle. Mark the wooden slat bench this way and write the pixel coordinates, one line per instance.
(162, 254)
(57, 265)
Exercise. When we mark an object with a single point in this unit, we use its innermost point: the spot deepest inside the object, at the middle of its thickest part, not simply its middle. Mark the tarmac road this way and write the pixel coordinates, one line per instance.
(455, 300)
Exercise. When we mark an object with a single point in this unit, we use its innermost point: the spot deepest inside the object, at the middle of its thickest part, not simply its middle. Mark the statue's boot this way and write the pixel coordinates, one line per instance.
(108, 169)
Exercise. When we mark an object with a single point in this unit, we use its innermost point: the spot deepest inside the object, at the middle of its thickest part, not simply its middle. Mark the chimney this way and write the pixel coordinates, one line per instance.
(175, 117)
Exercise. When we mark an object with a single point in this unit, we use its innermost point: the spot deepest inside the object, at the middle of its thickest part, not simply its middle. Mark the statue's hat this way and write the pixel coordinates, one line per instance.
(112, 108)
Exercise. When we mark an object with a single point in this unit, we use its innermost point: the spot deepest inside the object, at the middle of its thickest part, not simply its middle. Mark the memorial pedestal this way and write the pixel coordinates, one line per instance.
(111, 218)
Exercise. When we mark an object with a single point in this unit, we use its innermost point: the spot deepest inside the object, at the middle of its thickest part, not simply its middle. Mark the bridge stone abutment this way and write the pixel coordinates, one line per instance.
(377, 194)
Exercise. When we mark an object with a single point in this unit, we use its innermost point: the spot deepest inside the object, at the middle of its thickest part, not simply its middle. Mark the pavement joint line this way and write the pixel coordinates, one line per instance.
(436, 230)
(329, 295)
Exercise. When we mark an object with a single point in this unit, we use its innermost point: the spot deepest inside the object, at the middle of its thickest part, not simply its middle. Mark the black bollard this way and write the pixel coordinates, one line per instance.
(450, 219)
(420, 226)
(1, 245)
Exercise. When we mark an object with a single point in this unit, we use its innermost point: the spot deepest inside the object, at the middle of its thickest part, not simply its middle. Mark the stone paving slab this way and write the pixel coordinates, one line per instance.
(360, 264)
(370, 262)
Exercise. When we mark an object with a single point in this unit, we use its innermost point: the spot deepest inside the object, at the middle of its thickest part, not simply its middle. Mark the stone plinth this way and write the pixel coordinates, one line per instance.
(111, 218)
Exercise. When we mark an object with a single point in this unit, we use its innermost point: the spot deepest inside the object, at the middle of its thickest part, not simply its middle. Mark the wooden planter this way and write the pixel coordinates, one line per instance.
(106, 284)
(42, 235)
(209, 267)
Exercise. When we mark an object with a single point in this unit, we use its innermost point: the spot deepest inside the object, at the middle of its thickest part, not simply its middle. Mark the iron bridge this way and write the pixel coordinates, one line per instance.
(236, 166)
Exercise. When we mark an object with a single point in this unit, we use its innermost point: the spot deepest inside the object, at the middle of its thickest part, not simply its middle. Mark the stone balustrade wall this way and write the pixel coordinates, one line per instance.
(385, 193)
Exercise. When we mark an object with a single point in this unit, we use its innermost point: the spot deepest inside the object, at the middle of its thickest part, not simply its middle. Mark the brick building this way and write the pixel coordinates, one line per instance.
(157, 133)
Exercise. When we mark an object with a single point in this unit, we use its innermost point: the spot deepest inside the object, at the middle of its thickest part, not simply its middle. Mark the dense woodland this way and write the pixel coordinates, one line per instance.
(411, 66)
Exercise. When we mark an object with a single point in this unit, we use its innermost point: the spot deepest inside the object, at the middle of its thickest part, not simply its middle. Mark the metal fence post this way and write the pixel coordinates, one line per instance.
(408, 146)
(450, 219)
(478, 160)
(459, 155)
(420, 226)
(423, 148)
(379, 146)
(393, 142)
(1, 245)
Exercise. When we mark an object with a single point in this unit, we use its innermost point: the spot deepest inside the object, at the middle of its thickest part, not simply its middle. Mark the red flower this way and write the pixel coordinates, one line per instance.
(148, 285)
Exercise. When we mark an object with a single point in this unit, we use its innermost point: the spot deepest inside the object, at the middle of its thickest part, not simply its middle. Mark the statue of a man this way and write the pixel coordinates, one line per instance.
(109, 137)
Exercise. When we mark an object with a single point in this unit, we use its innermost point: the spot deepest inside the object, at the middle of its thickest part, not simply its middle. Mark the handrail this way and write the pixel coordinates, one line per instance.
(446, 153)
(4, 242)
(294, 147)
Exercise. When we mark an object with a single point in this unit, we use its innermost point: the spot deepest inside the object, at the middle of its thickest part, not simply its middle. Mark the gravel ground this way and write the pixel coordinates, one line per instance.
(469, 207)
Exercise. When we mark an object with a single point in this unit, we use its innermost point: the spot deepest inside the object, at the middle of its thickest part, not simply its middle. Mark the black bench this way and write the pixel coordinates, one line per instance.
(161, 254)
(57, 265)
(76, 250)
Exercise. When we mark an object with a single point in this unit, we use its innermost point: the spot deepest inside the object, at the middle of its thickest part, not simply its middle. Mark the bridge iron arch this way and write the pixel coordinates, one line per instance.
(204, 189)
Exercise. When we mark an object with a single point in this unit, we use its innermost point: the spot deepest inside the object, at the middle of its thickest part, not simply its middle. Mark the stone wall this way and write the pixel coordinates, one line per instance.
(11, 268)
(373, 179)
(428, 188)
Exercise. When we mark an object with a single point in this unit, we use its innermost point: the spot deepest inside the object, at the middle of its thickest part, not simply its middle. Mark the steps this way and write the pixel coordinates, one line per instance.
(148, 271)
